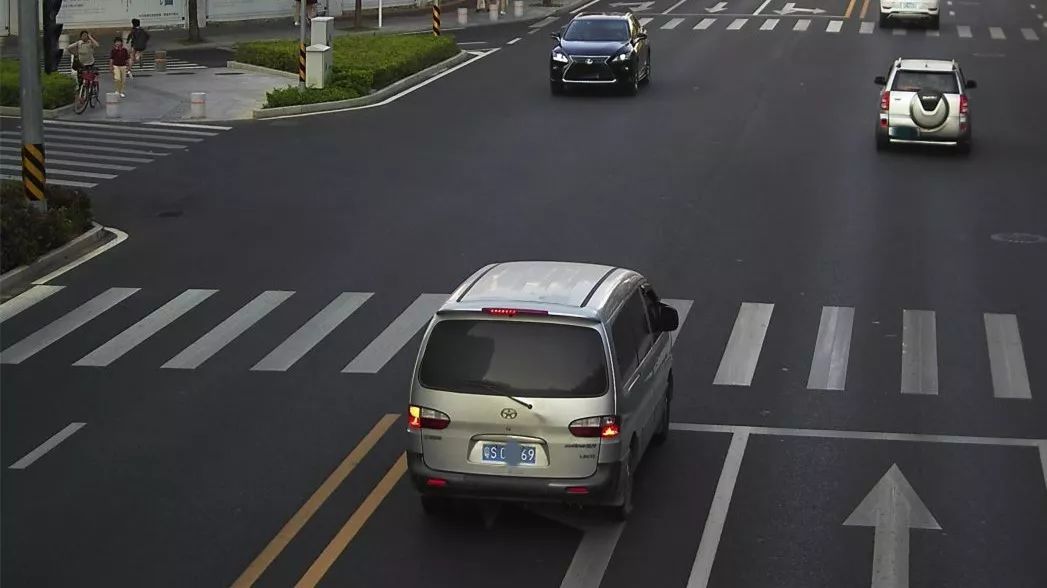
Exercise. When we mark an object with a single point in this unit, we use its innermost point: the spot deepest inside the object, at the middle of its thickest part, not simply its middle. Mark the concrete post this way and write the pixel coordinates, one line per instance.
(160, 60)
(318, 62)
(463, 16)
(112, 105)
(198, 105)
(518, 8)
(492, 11)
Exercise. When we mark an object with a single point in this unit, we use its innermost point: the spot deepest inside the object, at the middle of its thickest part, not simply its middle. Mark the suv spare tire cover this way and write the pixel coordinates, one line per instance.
(929, 109)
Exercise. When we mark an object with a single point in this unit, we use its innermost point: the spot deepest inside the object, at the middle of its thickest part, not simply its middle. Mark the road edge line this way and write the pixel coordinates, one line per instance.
(717, 518)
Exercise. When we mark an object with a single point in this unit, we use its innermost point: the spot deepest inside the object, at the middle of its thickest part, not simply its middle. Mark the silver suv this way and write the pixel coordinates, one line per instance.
(541, 381)
(924, 101)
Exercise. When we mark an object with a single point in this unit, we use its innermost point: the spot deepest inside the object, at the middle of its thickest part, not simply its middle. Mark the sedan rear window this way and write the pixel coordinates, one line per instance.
(515, 358)
(914, 81)
(597, 30)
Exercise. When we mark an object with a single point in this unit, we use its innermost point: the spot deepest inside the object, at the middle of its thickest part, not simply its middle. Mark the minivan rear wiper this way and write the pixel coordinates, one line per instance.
(515, 399)
(493, 387)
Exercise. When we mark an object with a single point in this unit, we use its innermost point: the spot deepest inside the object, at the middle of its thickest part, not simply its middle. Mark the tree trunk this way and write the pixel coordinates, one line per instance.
(356, 13)
(194, 24)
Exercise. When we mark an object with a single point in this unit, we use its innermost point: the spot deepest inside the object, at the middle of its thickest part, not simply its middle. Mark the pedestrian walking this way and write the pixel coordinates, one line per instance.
(138, 39)
(119, 57)
(310, 7)
(83, 52)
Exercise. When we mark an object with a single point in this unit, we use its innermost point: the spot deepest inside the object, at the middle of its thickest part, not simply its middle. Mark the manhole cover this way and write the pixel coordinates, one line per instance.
(1023, 238)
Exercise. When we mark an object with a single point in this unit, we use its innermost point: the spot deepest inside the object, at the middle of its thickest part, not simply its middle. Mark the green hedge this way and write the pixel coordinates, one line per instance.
(362, 63)
(26, 234)
(58, 89)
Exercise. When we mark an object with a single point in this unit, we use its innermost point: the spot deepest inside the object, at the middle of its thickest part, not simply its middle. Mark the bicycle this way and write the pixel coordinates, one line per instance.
(87, 93)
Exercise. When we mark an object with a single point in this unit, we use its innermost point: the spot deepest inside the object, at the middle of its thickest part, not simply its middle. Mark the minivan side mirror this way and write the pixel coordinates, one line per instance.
(971, 84)
(880, 81)
(666, 319)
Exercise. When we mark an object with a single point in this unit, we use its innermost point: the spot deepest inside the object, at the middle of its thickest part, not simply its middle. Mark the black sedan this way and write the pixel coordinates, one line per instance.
(609, 49)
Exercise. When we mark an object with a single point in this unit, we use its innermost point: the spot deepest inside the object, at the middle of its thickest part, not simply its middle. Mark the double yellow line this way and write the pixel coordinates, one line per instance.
(351, 527)
(850, 9)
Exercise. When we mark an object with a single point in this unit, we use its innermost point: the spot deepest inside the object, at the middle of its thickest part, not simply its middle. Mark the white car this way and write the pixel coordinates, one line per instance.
(924, 101)
(892, 11)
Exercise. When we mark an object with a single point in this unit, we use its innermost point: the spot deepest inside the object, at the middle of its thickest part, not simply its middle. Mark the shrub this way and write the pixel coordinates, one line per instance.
(26, 233)
(57, 89)
(362, 63)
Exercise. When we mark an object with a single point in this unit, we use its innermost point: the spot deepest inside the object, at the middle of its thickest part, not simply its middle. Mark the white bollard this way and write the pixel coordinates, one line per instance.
(112, 105)
(518, 7)
(492, 11)
(463, 16)
(198, 105)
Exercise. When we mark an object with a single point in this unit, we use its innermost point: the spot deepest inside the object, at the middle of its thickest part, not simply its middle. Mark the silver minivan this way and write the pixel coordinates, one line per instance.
(541, 381)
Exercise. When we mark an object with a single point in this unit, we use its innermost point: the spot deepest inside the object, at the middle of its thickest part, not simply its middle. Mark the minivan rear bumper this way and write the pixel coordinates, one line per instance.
(601, 487)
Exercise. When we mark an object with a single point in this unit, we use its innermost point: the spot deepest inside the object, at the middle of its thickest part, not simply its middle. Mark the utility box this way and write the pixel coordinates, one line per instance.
(322, 30)
(318, 62)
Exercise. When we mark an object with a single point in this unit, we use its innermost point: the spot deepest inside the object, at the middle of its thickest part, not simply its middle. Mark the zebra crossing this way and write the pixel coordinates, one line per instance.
(739, 355)
(82, 154)
(147, 64)
(833, 27)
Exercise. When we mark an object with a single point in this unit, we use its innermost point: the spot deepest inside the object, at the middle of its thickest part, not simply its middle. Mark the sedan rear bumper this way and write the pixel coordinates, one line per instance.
(599, 488)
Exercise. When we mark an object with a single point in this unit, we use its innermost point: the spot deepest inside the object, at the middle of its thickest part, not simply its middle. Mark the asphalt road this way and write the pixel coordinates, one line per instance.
(743, 179)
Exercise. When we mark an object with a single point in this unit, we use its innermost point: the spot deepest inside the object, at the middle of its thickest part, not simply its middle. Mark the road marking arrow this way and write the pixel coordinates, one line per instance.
(892, 508)
(640, 6)
(720, 7)
(790, 8)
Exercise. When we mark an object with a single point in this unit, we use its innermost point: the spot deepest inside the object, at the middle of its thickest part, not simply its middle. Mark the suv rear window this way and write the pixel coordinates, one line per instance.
(514, 358)
(914, 81)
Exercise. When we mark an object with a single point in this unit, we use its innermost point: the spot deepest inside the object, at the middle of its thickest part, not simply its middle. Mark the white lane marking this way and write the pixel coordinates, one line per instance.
(396, 335)
(831, 349)
(581, 8)
(51, 181)
(963, 31)
(128, 128)
(463, 43)
(77, 140)
(514, 41)
(742, 353)
(61, 327)
(867, 28)
(90, 134)
(1030, 35)
(63, 172)
(88, 164)
(46, 446)
(90, 147)
(394, 97)
(217, 338)
(769, 24)
(899, 32)
(1010, 379)
(61, 153)
(952, 13)
(997, 33)
(859, 435)
(645, 21)
(25, 300)
(675, 6)
(704, 24)
(737, 24)
(919, 352)
(714, 523)
(120, 238)
(312, 332)
(834, 26)
(137, 333)
(762, 6)
(590, 560)
(1043, 461)
(672, 24)
(683, 308)
(802, 25)
(933, 33)
(188, 126)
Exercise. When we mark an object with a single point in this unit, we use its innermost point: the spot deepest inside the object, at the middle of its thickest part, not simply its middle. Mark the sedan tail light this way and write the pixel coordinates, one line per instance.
(605, 427)
(426, 418)
(885, 99)
(963, 104)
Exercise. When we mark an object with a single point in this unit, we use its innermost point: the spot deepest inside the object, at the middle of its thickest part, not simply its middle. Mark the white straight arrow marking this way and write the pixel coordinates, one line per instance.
(720, 7)
(790, 7)
(892, 508)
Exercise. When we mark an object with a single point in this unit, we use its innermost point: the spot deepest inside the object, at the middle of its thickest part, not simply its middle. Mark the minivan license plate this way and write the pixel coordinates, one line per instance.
(502, 453)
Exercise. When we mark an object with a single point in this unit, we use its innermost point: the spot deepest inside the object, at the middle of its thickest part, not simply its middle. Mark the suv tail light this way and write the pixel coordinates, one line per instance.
(885, 99)
(963, 104)
(426, 418)
(605, 427)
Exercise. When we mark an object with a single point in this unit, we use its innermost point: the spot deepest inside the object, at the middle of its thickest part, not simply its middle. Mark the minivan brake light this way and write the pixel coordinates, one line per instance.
(605, 427)
(426, 418)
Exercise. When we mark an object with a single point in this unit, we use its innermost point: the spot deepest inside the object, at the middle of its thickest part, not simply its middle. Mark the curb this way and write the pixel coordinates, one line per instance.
(53, 113)
(21, 276)
(259, 69)
(378, 96)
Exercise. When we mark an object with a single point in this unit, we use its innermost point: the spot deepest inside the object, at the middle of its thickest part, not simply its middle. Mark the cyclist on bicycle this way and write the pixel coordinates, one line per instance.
(83, 52)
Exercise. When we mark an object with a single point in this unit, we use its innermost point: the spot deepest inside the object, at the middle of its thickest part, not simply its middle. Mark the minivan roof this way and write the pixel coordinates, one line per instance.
(583, 290)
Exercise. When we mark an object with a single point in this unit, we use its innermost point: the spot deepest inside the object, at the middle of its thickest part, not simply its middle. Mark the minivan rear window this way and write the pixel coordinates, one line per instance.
(914, 81)
(514, 358)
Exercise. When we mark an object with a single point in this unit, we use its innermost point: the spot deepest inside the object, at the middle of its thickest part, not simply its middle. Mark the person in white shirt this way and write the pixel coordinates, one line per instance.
(83, 52)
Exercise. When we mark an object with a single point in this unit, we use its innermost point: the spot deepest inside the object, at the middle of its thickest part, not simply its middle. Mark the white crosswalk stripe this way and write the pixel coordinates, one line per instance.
(1030, 35)
(802, 25)
(899, 32)
(80, 153)
(704, 24)
(769, 24)
(867, 28)
(743, 349)
(737, 24)
(963, 31)
(997, 33)
(645, 21)
(834, 26)
(933, 33)
(672, 24)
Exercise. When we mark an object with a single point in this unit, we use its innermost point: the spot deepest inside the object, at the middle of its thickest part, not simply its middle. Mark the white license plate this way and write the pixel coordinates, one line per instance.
(910, 5)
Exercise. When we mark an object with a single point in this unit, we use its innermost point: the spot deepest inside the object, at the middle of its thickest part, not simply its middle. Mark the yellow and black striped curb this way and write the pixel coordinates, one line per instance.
(34, 176)
(436, 18)
(301, 62)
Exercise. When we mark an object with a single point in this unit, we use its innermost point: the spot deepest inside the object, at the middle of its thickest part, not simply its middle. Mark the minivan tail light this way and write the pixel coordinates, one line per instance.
(963, 104)
(606, 427)
(885, 100)
(512, 311)
(426, 418)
